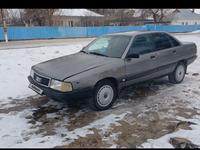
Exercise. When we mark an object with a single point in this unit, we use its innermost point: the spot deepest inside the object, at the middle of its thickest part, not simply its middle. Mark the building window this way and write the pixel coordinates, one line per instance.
(186, 23)
(71, 23)
(182, 23)
(195, 22)
(61, 23)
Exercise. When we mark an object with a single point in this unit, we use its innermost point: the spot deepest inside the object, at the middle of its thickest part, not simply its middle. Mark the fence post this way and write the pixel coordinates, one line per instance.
(5, 29)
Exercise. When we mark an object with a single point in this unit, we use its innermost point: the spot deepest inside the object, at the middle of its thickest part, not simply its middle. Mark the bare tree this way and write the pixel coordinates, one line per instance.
(49, 16)
(1, 17)
(158, 15)
(40, 17)
(123, 16)
(116, 16)
(14, 16)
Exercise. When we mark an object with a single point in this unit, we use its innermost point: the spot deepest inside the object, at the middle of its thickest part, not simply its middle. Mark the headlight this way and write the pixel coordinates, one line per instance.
(61, 86)
(32, 73)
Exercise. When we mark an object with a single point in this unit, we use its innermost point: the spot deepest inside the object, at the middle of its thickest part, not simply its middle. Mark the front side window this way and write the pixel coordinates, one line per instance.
(111, 46)
(142, 44)
(161, 41)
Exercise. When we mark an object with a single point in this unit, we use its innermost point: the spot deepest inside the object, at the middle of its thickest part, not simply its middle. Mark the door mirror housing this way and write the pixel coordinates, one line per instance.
(133, 56)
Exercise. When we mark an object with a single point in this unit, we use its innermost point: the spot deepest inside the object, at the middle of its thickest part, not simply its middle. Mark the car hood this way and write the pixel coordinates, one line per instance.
(70, 65)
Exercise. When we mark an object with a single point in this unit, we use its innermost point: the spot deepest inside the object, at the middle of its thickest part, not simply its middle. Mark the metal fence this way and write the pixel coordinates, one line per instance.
(46, 32)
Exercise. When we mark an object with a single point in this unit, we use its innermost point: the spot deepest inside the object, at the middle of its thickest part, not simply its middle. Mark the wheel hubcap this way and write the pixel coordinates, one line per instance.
(180, 72)
(105, 95)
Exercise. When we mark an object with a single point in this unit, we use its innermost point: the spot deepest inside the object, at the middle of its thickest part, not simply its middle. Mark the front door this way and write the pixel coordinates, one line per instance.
(142, 68)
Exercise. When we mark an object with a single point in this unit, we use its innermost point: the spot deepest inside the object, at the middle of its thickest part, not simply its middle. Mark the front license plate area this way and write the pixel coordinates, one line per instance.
(35, 88)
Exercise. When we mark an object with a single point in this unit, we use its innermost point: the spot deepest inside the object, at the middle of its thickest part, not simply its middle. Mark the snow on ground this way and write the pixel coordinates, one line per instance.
(15, 65)
(193, 135)
(17, 132)
(13, 136)
(196, 31)
(12, 126)
(17, 129)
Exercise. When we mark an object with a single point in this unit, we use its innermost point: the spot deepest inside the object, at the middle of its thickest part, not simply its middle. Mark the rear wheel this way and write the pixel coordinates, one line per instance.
(179, 73)
(105, 94)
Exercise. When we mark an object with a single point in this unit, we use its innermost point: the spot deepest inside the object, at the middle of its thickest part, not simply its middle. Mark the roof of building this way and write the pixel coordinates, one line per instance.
(76, 12)
(183, 14)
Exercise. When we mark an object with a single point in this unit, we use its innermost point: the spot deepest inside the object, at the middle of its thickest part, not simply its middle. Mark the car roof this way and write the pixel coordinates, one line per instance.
(134, 33)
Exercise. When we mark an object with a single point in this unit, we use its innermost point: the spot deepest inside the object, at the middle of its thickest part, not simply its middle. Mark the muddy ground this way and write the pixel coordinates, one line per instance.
(152, 106)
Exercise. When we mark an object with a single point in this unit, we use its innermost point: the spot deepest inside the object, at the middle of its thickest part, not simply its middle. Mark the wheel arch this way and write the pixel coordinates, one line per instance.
(111, 79)
(184, 62)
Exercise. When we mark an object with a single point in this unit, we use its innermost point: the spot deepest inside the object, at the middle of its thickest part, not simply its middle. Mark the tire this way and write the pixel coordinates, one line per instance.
(105, 94)
(178, 74)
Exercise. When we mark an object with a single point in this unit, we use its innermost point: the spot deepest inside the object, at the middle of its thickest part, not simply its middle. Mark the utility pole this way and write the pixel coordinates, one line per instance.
(5, 29)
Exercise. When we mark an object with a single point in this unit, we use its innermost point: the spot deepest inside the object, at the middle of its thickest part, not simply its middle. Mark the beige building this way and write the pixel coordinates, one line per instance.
(77, 17)
(184, 17)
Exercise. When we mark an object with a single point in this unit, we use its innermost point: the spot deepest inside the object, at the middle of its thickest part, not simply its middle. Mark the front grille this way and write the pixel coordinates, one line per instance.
(41, 80)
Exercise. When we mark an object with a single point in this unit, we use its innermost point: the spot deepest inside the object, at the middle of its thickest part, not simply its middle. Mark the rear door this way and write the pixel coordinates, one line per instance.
(139, 69)
(176, 48)
(166, 53)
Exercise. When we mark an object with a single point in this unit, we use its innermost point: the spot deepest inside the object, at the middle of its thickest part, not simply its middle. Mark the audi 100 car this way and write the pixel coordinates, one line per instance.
(109, 63)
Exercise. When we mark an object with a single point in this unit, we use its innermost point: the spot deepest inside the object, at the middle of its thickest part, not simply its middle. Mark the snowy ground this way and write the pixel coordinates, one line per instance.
(15, 67)
(146, 115)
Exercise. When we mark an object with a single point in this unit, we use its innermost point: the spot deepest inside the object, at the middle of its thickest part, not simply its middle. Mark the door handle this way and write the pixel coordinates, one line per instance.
(174, 51)
(128, 59)
(153, 57)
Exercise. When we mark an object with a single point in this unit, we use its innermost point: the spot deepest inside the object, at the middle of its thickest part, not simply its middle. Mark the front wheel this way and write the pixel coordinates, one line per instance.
(179, 73)
(104, 96)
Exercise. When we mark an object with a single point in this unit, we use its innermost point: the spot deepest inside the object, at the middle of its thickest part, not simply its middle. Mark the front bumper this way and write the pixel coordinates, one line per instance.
(63, 96)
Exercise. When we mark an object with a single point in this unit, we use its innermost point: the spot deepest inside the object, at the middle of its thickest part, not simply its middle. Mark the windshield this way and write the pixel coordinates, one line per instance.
(110, 46)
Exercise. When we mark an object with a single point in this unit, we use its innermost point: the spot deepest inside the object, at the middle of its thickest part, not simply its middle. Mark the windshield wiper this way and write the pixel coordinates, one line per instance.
(95, 53)
(84, 51)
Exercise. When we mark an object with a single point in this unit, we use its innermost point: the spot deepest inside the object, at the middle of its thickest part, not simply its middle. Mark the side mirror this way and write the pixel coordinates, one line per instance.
(133, 56)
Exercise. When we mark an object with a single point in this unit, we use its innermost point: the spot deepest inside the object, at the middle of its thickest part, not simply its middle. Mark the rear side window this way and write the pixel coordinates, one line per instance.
(173, 41)
(161, 41)
(141, 45)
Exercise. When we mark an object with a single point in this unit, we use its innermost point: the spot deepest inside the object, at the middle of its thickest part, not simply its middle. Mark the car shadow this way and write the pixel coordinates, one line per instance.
(144, 89)
(53, 113)
(131, 93)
